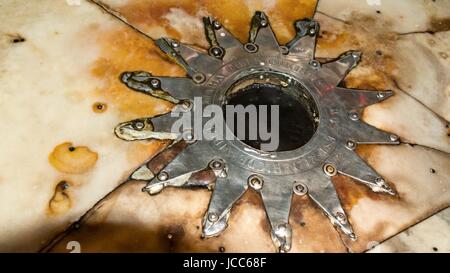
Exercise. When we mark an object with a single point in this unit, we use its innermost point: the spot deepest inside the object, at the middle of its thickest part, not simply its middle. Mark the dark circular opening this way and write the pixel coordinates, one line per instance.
(298, 114)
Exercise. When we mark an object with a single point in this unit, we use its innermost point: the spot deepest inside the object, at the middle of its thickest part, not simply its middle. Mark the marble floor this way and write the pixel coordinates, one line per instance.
(62, 168)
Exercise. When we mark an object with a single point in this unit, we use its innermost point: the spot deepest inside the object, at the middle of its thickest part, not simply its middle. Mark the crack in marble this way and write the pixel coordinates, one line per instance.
(115, 15)
(397, 85)
(76, 225)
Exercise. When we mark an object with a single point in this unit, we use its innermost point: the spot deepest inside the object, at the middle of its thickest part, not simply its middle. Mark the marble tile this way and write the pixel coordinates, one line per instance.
(432, 235)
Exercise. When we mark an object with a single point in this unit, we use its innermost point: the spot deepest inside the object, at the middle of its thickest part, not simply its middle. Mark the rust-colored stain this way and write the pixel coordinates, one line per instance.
(235, 15)
(312, 231)
(60, 201)
(285, 13)
(351, 191)
(172, 234)
(67, 158)
(439, 24)
(363, 33)
(139, 151)
(99, 107)
(125, 50)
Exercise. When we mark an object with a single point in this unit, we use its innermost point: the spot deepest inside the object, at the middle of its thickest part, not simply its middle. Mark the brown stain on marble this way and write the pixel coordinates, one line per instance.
(284, 14)
(134, 238)
(61, 200)
(69, 159)
(123, 50)
(350, 191)
(312, 231)
(175, 232)
(363, 33)
(439, 24)
(234, 15)
(139, 151)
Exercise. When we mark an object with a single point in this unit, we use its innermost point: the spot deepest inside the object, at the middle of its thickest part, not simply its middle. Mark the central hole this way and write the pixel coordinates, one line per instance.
(298, 115)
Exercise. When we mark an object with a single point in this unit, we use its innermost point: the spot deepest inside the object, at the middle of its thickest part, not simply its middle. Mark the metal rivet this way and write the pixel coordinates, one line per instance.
(175, 44)
(300, 189)
(188, 136)
(263, 23)
(212, 217)
(255, 182)
(381, 95)
(329, 169)
(251, 48)
(155, 83)
(393, 138)
(380, 181)
(217, 25)
(216, 164)
(163, 176)
(138, 125)
(315, 64)
(187, 105)
(351, 145)
(281, 229)
(284, 50)
(355, 55)
(312, 31)
(216, 51)
(341, 217)
(354, 116)
(198, 78)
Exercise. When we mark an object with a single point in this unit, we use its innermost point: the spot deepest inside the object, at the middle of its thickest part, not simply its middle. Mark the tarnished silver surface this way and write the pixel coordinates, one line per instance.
(236, 166)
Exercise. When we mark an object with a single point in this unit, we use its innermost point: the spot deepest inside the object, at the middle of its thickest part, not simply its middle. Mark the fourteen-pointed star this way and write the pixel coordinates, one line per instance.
(230, 167)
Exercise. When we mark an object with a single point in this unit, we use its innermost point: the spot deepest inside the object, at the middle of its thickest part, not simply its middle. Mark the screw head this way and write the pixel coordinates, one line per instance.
(138, 125)
(351, 145)
(354, 116)
(212, 217)
(187, 105)
(341, 217)
(255, 182)
(381, 95)
(284, 50)
(188, 136)
(300, 189)
(329, 169)
(251, 48)
(355, 55)
(163, 176)
(216, 164)
(393, 138)
(216, 24)
(216, 51)
(198, 78)
(380, 181)
(315, 64)
(155, 83)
